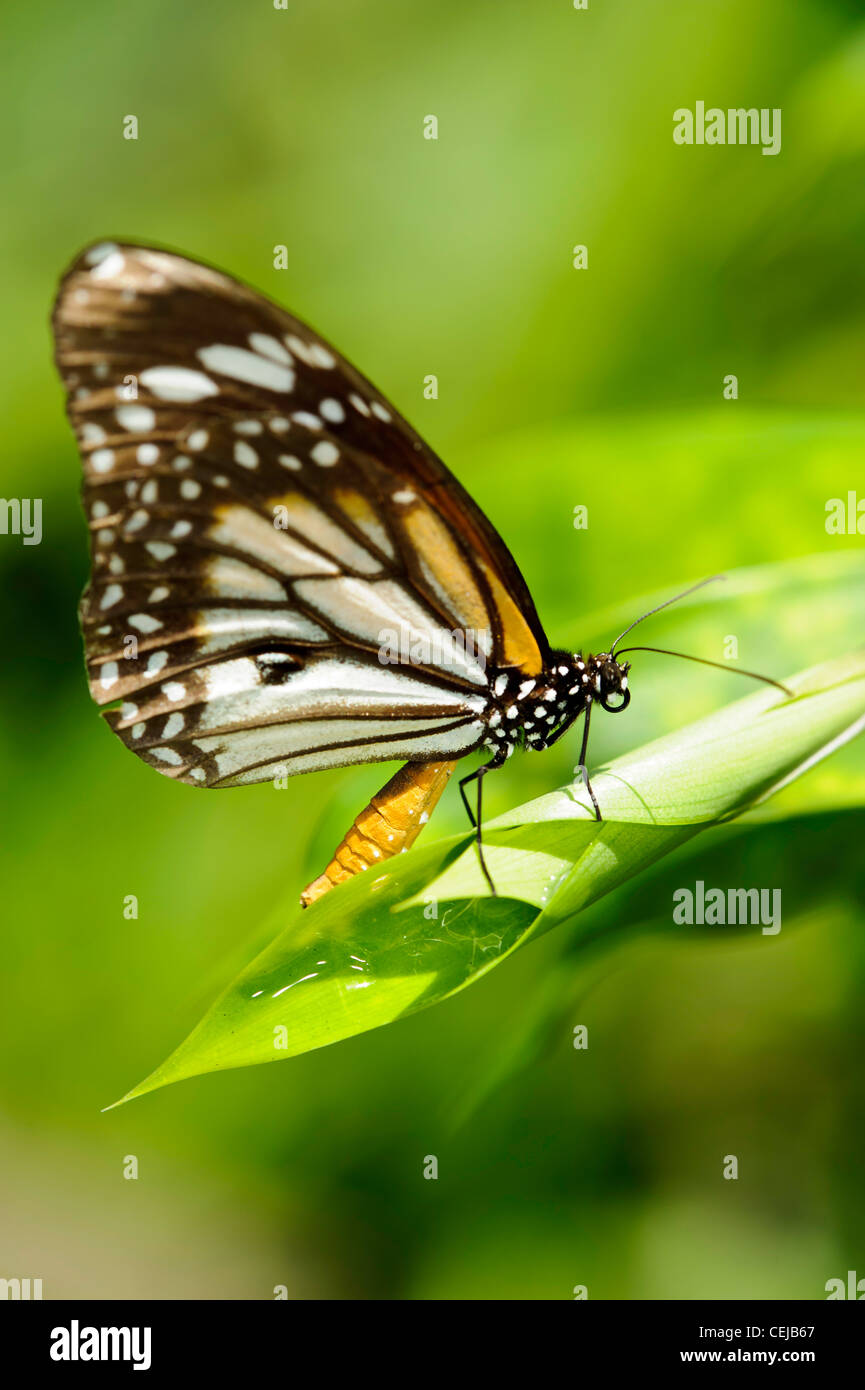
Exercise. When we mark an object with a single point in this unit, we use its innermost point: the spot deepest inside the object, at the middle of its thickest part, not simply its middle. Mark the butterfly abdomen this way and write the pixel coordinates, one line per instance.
(388, 825)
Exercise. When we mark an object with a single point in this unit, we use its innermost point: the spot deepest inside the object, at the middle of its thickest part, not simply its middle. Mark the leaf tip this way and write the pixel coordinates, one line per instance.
(150, 1083)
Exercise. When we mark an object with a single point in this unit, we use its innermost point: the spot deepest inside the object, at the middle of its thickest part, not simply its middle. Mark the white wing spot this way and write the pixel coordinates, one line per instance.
(135, 417)
(113, 594)
(289, 461)
(271, 347)
(190, 488)
(144, 622)
(114, 263)
(181, 529)
(245, 455)
(99, 252)
(325, 454)
(247, 366)
(108, 675)
(167, 755)
(331, 409)
(102, 460)
(300, 348)
(156, 663)
(160, 550)
(247, 427)
(173, 724)
(310, 422)
(178, 383)
(198, 440)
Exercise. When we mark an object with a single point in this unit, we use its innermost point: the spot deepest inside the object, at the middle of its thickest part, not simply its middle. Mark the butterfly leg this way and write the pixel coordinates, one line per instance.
(584, 771)
(476, 819)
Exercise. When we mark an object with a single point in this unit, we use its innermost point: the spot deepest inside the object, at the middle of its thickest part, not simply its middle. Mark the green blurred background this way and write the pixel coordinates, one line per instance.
(558, 387)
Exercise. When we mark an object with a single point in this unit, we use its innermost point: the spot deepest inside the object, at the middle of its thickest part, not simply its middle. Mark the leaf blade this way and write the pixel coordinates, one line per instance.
(376, 949)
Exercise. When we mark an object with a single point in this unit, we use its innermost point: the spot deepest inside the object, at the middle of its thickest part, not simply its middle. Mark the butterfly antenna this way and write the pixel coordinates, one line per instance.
(736, 670)
(665, 604)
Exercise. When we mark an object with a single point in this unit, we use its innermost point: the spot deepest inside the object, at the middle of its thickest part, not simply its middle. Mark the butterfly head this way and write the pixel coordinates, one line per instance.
(608, 681)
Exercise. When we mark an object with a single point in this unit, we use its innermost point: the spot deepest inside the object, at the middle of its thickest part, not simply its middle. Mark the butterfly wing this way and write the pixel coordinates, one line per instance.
(284, 576)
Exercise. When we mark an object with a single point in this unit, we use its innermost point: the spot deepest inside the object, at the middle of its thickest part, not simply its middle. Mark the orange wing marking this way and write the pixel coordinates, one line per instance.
(519, 646)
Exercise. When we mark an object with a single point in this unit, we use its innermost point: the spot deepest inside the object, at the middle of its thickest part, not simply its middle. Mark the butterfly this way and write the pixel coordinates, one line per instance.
(284, 575)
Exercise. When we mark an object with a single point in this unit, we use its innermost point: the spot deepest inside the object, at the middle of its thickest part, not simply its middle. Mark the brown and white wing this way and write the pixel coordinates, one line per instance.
(284, 577)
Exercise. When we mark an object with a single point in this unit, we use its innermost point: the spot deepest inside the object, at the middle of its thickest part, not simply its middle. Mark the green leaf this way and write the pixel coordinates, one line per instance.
(390, 943)
(773, 610)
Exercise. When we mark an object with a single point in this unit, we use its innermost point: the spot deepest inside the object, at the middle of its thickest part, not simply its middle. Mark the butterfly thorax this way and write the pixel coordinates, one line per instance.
(534, 713)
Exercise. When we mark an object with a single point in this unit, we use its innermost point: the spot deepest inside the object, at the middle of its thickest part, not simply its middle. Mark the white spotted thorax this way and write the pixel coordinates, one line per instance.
(533, 713)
